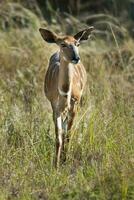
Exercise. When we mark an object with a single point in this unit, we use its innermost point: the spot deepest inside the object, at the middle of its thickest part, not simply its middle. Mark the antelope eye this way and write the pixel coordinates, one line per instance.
(63, 45)
(77, 44)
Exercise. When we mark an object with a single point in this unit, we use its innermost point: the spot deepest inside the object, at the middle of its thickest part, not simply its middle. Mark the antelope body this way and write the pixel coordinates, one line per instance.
(64, 83)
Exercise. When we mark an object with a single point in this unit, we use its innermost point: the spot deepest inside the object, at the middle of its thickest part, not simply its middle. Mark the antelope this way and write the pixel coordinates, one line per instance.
(64, 83)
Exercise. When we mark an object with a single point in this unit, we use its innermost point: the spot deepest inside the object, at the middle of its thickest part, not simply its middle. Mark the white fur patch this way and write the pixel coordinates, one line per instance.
(59, 123)
(64, 58)
(71, 71)
(77, 71)
(62, 93)
(69, 99)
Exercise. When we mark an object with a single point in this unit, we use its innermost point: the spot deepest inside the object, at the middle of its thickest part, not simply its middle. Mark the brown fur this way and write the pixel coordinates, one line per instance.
(64, 84)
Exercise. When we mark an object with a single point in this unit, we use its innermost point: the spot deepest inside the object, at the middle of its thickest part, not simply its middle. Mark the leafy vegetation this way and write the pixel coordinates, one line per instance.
(100, 161)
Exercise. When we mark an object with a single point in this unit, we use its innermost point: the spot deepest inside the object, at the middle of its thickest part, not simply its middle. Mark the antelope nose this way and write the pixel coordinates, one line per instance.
(76, 60)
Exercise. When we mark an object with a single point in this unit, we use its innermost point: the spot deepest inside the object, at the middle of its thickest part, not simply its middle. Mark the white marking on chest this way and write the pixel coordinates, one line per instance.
(77, 71)
(62, 93)
(83, 71)
(71, 71)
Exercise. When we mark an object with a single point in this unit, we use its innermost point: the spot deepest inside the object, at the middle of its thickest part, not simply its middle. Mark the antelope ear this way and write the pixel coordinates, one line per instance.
(84, 35)
(48, 36)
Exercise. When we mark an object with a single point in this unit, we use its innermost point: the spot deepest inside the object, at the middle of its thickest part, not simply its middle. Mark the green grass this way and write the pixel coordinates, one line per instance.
(100, 156)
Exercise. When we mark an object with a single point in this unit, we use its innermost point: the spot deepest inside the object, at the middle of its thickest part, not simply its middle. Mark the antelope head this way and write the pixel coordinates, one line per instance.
(68, 44)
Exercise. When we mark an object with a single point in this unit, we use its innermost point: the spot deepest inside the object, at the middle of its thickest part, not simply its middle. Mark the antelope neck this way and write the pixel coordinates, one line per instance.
(65, 77)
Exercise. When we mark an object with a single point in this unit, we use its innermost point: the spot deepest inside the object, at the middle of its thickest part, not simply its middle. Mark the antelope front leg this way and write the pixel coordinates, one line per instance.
(70, 120)
(59, 140)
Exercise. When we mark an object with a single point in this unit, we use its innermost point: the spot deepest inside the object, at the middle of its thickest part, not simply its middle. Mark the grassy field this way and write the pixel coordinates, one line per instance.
(100, 162)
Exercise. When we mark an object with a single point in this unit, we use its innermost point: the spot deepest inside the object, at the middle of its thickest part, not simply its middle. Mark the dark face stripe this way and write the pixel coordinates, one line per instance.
(75, 53)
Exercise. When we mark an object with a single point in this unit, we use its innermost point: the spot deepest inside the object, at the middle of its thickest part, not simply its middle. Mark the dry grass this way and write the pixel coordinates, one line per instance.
(100, 158)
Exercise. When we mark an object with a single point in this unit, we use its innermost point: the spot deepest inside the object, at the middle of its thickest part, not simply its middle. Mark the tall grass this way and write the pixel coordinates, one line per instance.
(100, 156)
